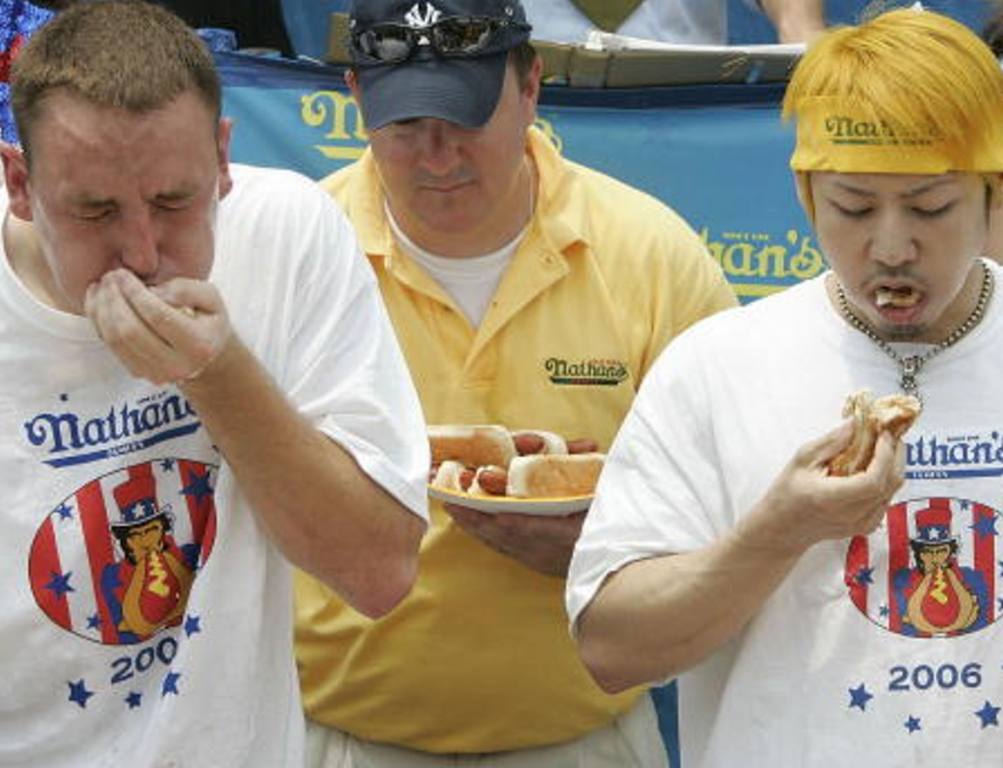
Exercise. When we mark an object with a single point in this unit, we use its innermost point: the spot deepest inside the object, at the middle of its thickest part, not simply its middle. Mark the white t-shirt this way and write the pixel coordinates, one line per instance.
(701, 22)
(832, 670)
(182, 658)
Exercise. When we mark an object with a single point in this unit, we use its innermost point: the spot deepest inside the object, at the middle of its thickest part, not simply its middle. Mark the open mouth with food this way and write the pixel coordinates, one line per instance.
(898, 303)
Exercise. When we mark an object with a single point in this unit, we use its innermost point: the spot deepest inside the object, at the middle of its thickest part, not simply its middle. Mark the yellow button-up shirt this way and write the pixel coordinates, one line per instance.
(478, 658)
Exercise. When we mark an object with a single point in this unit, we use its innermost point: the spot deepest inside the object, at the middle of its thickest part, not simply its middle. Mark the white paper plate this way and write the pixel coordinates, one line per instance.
(492, 504)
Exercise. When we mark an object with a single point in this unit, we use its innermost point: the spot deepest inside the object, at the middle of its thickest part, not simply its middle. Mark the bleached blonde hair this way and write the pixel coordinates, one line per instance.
(908, 67)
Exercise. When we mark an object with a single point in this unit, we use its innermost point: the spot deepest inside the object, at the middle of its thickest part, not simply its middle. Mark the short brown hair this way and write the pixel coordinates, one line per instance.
(126, 54)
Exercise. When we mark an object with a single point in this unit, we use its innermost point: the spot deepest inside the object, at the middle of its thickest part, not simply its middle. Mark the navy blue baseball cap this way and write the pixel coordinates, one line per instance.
(433, 58)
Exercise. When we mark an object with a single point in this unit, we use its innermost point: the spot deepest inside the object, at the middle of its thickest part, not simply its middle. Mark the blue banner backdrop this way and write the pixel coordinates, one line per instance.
(717, 154)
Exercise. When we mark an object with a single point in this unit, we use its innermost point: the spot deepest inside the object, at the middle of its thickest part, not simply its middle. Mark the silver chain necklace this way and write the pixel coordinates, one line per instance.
(911, 365)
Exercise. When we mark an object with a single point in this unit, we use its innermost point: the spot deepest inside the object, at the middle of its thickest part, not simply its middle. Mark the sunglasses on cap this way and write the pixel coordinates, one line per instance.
(450, 37)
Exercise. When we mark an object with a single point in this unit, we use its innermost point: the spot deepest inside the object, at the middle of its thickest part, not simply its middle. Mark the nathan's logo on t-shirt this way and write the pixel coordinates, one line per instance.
(586, 373)
(69, 437)
(932, 570)
(115, 561)
(936, 457)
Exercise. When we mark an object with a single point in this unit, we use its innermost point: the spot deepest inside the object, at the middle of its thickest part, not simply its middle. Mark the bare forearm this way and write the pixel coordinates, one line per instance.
(659, 617)
(796, 21)
(311, 497)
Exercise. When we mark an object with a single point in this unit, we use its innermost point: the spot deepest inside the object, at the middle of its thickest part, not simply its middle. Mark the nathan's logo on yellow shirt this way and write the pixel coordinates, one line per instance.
(586, 373)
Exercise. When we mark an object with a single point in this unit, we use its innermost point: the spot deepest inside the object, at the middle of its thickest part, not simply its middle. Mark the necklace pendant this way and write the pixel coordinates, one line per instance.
(908, 383)
(910, 367)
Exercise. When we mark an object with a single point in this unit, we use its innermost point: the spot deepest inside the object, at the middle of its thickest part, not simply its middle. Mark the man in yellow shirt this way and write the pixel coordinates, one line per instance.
(526, 291)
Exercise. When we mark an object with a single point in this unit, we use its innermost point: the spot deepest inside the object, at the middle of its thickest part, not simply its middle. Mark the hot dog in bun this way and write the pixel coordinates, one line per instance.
(472, 445)
(544, 475)
(872, 416)
(529, 441)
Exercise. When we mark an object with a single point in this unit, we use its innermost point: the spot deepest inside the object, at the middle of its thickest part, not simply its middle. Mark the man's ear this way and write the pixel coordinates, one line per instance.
(352, 82)
(223, 134)
(531, 88)
(994, 216)
(16, 179)
(994, 188)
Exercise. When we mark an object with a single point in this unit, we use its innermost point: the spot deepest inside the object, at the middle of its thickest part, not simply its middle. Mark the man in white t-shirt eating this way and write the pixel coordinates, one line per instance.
(200, 381)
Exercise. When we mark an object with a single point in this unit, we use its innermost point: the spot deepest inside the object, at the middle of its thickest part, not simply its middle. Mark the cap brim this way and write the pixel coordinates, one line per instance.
(461, 91)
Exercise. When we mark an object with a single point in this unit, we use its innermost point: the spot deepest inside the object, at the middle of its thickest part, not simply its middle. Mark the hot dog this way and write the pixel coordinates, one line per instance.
(530, 441)
(872, 416)
(452, 475)
(489, 481)
(474, 446)
(536, 441)
(543, 475)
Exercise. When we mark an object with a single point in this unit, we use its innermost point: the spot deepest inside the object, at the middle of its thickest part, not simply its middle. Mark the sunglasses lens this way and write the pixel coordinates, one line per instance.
(460, 37)
(387, 43)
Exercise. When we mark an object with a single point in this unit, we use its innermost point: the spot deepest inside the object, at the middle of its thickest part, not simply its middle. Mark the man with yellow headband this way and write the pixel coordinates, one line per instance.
(814, 619)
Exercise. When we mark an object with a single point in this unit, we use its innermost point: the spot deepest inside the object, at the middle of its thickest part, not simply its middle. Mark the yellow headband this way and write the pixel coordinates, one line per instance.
(835, 134)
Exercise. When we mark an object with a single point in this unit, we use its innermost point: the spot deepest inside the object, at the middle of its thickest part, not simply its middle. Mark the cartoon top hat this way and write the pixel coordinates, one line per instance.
(137, 502)
(933, 525)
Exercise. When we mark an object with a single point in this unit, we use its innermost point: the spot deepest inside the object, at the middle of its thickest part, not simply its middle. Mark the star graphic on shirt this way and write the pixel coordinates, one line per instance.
(170, 683)
(865, 576)
(199, 487)
(884, 610)
(134, 699)
(64, 397)
(912, 724)
(79, 693)
(859, 697)
(989, 715)
(64, 511)
(192, 625)
(985, 525)
(94, 622)
(167, 465)
(60, 583)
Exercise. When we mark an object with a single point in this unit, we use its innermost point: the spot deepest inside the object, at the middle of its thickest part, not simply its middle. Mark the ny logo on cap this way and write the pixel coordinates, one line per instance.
(416, 18)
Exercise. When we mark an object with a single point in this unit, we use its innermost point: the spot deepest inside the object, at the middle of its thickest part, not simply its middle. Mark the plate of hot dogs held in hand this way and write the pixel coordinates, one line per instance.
(490, 468)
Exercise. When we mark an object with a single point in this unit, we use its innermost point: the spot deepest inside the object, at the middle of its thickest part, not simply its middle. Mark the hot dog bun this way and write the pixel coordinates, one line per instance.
(471, 445)
(872, 416)
(553, 475)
